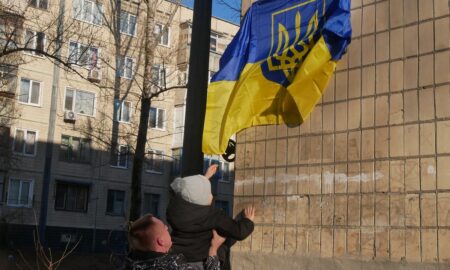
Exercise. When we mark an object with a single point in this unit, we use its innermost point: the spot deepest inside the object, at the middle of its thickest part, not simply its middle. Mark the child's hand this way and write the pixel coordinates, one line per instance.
(211, 171)
(249, 212)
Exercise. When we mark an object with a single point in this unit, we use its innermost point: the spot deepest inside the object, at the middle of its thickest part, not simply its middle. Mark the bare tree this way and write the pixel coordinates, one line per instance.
(142, 81)
(26, 30)
(25, 33)
(8, 113)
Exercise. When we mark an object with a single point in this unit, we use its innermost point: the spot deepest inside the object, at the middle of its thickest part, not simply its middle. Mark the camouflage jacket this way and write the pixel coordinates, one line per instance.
(161, 261)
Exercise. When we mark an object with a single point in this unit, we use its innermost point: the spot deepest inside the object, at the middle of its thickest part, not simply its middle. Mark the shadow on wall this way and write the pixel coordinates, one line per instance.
(89, 192)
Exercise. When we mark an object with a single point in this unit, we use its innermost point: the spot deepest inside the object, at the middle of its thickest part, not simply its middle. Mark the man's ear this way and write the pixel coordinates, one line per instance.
(160, 241)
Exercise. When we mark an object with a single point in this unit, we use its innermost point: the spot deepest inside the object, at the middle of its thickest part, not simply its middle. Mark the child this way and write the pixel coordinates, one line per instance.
(192, 219)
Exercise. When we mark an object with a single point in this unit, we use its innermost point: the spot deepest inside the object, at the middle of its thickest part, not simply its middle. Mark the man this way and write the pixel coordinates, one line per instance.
(150, 242)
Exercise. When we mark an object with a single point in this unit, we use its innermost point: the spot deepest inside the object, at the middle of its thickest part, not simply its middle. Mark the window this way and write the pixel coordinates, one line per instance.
(8, 79)
(74, 149)
(9, 34)
(34, 41)
(208, 162)
(71, 197)
(120, 160)
(213, 42)
(126, 67)
(155, 161)
(81, 102)
(25, 142)
(88, 11)
(176, 165)
(127, 23)
(182, 78)
(159, 76)
(29, 92)
(39, 3)
(224, 205)
(20, 192)
(223, 171)
(83, 55)
(179, 117)
(115, 204)
(3, 34)
(157, 118)
(123, 111)
(151, 204)
(164, 38)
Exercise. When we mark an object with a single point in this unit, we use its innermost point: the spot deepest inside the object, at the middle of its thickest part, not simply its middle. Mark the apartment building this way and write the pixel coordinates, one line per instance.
(80, 118)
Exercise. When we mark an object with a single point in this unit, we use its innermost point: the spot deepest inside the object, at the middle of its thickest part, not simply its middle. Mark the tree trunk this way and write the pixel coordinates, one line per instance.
(139, 154)
(117, 81)
(138, 163)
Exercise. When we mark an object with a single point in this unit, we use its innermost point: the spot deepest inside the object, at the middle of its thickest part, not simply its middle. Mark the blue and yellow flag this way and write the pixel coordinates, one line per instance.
(277, 66)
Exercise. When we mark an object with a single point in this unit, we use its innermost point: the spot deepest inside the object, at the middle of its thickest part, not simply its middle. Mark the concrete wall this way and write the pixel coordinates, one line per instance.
(365, 181)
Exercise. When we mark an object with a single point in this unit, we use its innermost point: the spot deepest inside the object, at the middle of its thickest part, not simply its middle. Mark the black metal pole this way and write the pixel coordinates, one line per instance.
(192, 159)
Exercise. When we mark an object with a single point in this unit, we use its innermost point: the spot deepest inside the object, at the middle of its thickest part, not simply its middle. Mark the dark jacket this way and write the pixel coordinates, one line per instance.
(138, 260)
(192, 227)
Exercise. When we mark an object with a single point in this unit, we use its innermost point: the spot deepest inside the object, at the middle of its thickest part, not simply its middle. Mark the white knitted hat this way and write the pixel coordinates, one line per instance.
(195, 189)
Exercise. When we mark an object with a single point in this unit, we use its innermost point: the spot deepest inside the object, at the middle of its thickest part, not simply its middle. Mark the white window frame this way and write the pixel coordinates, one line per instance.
(119, 116)
(117, 165)
(157, 117)
(82, 4)
(158, 28)
(157, 153)
(78, 57)
(30, 192)
(22, 153)
(162, 72)
(122, 67)
(29, 92)
(74, 100)
(216, 37)
(129, 14)
(33, 43)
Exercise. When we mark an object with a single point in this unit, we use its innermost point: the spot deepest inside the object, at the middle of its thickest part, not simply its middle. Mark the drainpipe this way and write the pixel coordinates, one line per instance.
(51, 129)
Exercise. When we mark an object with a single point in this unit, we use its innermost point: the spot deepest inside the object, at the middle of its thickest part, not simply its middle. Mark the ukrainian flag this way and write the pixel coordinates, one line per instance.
(277, 66)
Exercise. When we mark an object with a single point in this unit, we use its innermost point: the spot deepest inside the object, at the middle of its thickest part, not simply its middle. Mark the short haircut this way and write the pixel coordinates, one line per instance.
(137, 238)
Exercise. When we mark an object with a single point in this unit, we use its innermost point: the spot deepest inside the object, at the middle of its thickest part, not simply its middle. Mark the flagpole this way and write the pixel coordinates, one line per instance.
(192, 155)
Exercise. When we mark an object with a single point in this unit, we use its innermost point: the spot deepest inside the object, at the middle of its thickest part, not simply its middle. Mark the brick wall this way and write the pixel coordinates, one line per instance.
(367, 177)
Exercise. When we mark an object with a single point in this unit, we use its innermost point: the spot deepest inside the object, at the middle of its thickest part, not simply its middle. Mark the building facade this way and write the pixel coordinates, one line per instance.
(85, 115)
(364, 182)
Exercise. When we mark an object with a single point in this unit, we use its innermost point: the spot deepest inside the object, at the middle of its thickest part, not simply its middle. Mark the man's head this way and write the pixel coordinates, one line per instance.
(149, 234)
